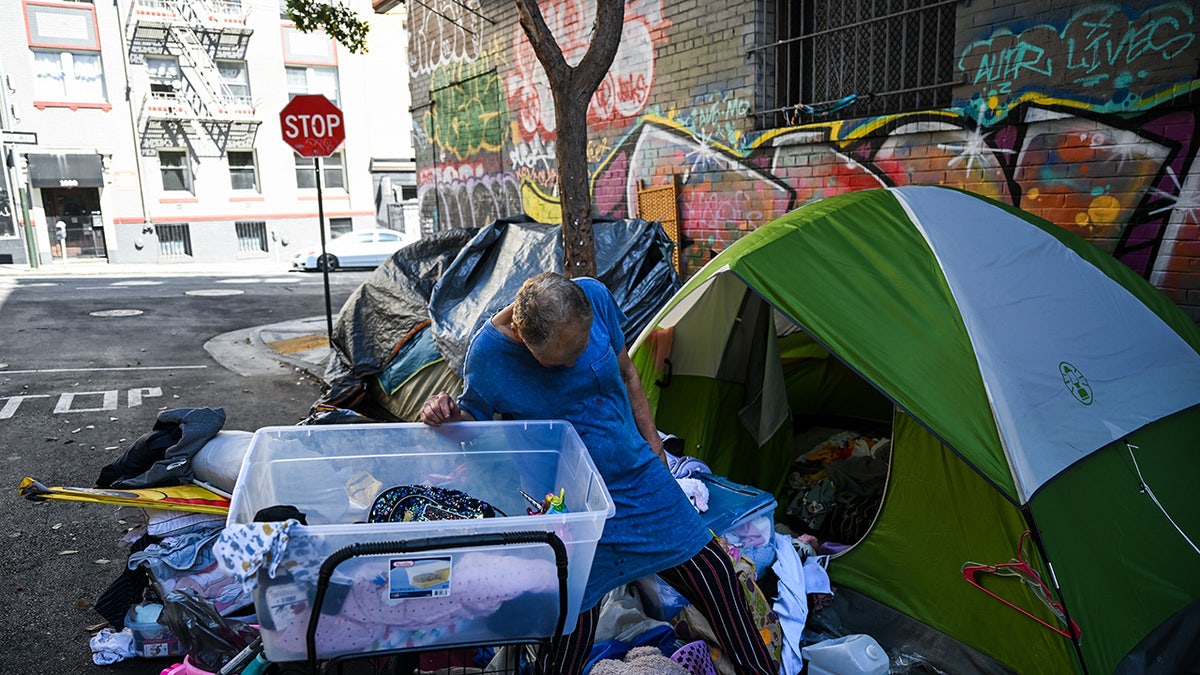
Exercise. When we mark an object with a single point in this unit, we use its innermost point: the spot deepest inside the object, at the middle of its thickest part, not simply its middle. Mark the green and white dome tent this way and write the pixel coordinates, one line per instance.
(1032, 383)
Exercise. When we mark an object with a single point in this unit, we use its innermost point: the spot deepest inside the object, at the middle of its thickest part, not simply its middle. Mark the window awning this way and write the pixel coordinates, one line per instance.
(63, 170)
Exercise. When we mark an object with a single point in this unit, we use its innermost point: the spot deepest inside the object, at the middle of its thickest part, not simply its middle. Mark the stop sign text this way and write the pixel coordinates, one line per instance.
(319, 126)
(312, 125)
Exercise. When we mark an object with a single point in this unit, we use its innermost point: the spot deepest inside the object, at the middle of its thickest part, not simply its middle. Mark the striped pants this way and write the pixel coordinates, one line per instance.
(708, 581)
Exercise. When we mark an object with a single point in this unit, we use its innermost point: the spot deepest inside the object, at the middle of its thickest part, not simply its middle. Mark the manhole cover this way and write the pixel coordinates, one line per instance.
(215, 292)
(116, 312)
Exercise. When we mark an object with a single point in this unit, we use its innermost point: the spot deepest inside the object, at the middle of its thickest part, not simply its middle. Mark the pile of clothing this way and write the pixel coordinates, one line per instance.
(172, 574)
(834, 490)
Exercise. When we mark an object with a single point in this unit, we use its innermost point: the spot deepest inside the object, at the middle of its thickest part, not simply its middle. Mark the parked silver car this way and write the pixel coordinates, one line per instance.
(358, 248)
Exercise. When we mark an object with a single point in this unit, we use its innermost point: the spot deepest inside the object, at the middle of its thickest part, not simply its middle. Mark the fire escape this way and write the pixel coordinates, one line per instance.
(199, 110)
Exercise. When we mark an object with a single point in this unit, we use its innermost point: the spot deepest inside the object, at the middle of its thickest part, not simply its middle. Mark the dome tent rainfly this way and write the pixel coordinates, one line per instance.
(1032, 383)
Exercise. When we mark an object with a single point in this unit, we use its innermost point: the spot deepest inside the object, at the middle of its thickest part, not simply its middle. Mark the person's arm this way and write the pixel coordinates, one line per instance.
(641, 406)
(442, 407)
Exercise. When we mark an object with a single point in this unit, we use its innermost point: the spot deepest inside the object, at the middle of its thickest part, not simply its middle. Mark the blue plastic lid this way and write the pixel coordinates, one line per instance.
(729, 503)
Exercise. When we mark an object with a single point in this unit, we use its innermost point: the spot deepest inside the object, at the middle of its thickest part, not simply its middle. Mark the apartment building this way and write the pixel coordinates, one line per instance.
(148, 131)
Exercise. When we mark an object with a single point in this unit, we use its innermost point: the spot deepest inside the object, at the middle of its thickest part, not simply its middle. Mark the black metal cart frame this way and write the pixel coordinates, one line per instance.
(430, 544)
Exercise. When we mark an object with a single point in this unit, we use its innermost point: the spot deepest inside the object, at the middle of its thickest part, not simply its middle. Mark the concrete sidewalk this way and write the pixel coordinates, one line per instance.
(259, 350)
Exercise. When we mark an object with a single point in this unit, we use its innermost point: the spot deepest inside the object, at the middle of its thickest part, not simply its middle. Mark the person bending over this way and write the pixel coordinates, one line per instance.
(558, 352)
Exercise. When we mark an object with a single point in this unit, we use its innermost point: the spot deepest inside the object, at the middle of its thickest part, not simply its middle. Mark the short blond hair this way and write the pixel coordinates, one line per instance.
(546, 303)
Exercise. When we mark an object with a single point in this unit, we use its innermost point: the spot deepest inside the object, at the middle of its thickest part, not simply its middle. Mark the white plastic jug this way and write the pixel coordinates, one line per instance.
(847, 655)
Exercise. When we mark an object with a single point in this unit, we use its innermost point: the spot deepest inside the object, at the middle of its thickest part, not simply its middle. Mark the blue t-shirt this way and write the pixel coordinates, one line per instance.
(655, 526)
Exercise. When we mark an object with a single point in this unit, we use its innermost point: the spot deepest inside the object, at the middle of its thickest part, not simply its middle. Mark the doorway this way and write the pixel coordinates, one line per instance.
(79, 210)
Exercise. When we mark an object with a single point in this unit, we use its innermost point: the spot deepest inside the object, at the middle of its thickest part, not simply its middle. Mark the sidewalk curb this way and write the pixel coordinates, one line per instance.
(248, 351)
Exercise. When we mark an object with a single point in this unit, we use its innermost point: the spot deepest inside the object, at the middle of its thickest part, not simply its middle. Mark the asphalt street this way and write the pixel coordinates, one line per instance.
(86, 364)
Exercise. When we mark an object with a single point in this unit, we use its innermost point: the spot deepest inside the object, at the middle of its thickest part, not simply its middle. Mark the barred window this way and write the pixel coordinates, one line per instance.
(174, 240)
(855, 58)
(340, 226)
(252, 236)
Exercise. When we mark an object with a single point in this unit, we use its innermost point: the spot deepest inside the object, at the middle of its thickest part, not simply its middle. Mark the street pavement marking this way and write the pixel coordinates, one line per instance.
(96, 370)
(215, 292)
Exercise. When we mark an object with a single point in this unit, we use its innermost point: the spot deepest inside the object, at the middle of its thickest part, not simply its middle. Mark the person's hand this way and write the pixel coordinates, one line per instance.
(440, 408)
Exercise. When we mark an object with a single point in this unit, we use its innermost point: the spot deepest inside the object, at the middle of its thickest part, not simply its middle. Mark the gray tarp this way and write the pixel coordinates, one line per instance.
(632, 259)
(459, 278)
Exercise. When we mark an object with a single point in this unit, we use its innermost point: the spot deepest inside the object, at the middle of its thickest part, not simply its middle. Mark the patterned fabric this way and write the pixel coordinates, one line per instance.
(413, 503)
(721, 602)
(244, 548)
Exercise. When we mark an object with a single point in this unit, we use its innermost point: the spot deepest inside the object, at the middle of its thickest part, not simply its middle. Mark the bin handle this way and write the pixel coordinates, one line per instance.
(428, 544)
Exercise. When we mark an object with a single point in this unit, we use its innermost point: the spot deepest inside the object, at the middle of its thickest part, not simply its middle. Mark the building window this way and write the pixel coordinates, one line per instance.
(174, 240)
(68, 76)
(243, 172)
(175, 169)
(311, 80)
(340, 226)
(163, 72)
(856, 58)
(334, 173)
(236, 80)
(252, 236)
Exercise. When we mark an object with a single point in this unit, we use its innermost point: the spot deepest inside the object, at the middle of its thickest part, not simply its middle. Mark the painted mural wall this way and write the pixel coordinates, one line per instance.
(1085, 115)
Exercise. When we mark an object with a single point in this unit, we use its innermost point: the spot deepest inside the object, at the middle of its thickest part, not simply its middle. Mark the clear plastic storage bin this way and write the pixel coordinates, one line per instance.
(490, 594)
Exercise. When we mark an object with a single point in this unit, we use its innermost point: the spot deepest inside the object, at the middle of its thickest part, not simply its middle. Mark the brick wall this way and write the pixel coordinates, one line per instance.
(1082, 113)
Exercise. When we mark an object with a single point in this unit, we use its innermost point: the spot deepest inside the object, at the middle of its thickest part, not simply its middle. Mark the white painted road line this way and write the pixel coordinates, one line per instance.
(96, 370)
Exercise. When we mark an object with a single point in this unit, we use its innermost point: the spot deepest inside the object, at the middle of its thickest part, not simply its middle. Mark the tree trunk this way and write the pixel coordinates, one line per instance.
(579, 248)
(573, 88)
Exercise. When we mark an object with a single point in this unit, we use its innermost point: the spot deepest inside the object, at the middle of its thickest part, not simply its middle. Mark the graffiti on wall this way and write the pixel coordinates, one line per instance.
(467, 115)
(1127, 184)
(625, 90)
(619, 99)
(466, 195)
(449, 35)
(1102, 57)
(1084, 123)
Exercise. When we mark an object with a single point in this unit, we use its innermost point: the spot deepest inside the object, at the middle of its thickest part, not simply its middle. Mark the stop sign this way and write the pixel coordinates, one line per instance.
(312, 125)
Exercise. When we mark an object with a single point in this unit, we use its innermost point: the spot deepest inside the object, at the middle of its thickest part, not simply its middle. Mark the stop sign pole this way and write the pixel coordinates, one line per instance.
(314, 127)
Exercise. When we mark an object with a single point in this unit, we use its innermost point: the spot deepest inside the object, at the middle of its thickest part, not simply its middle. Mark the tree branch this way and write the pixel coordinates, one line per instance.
(544, 45)
(606, 39)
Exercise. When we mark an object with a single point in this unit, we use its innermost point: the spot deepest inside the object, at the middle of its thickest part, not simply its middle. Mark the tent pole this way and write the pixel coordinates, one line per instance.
(1037, 541)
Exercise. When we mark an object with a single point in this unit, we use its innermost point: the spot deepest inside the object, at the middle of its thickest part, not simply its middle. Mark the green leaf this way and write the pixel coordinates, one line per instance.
(338, 20)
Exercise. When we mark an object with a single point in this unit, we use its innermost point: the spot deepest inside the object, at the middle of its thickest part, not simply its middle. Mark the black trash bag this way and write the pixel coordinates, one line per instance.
(210, 639)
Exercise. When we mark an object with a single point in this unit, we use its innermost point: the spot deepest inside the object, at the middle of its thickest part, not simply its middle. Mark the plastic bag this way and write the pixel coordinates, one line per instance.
(210, 639)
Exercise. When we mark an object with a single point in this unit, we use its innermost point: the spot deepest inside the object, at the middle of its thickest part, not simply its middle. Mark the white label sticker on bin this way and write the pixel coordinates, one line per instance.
(158, 648)
(418, 578)
(283, 602)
